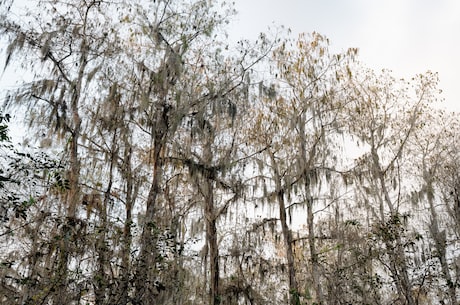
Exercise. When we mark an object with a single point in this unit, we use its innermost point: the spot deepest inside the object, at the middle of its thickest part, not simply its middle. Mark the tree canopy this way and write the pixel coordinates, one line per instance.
(164, 165)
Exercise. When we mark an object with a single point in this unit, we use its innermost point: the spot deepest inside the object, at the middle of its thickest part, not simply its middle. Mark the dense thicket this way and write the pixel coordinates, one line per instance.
(165, 166)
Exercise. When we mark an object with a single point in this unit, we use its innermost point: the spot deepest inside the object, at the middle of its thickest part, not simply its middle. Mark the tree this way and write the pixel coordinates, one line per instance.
(434, 150)
(81, 54)
(385, 115)
(297, 122)
(63, 56)
(25, 176)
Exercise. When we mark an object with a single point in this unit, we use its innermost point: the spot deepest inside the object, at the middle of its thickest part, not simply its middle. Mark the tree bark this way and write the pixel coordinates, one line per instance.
(439, 238)
(146, 266)
(287, 234)
(127, 235)
(307, 162)
(395, 248)
(211, 238)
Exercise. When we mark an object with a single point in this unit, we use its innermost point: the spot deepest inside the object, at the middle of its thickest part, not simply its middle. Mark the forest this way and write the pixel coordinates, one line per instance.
(162, 164)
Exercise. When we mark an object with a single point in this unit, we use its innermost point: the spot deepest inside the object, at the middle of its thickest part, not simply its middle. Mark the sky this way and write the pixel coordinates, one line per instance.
(405, 36)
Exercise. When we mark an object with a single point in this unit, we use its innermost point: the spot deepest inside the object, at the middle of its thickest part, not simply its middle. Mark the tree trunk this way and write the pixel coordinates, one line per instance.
(440, 242)
(127, 235)
(146, 266)
(287, 235)
(211, 239)
(395, 248)
(101, 278)
(73, 193)
(315, 268)
(307, 161)
(210, 215)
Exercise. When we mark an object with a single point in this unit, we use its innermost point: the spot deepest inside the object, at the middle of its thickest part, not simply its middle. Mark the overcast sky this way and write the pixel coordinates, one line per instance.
(405, 36)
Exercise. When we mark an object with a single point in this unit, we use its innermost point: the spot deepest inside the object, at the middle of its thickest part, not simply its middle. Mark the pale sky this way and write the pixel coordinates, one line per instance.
(405, 36)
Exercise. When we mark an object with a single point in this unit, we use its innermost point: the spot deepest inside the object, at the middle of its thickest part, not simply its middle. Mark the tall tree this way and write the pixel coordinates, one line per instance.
(62, 55)
(434, 150)
(210, 146)
(385, 114)
(297, 122)
(144, 60)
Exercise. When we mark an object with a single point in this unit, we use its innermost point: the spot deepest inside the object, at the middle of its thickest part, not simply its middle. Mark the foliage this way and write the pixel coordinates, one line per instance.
(174, 168)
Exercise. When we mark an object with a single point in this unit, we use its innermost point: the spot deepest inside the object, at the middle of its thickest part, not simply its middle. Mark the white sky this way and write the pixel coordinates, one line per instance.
(405, 36)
